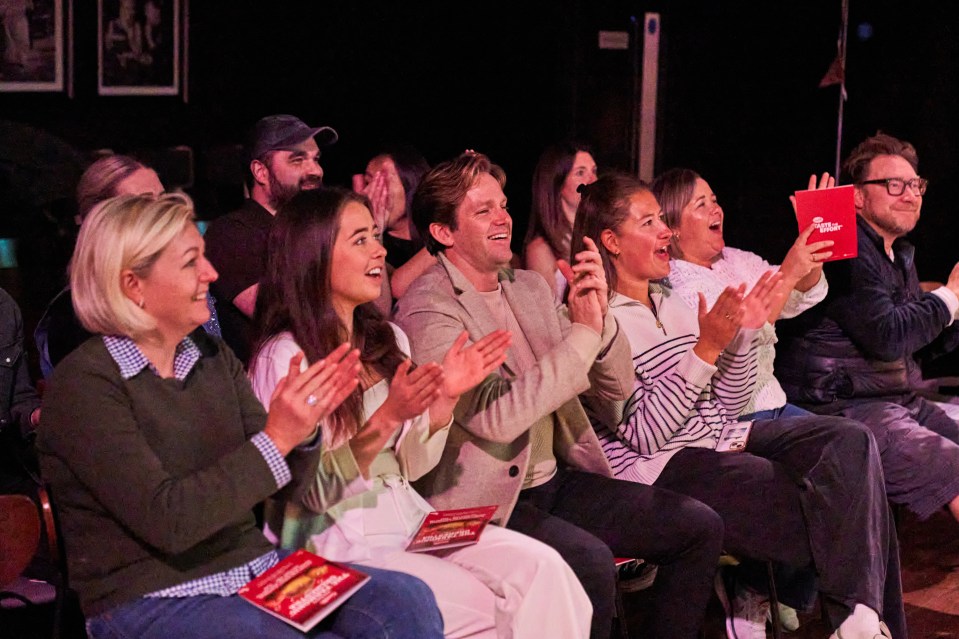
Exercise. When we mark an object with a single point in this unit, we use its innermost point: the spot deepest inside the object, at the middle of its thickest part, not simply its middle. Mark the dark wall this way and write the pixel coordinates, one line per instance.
(429, 73)
(742, 106)
(739, 95)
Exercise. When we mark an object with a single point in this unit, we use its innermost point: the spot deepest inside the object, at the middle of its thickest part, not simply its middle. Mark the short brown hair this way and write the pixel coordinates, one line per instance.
(99, 182)
(856, 165)
(674, 190)
(444, 188)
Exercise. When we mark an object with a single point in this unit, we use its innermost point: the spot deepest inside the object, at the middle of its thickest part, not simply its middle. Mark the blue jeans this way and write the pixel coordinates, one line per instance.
(392, 605)
(786, 410)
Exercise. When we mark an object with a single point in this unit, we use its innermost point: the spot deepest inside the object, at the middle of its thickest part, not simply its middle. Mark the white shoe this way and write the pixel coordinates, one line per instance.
(788, 618)
(745, 610)
(883, 633)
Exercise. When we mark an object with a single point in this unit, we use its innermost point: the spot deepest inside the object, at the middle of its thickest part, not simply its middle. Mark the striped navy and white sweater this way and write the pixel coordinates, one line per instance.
(678, 400)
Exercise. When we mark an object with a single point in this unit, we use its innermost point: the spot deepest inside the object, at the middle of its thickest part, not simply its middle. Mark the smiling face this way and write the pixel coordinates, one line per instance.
(640, 244)
(700, 232)
(174, 291)
(358, 262)
(891, 216)
(480, 245)
(286, 173)
(583, 172)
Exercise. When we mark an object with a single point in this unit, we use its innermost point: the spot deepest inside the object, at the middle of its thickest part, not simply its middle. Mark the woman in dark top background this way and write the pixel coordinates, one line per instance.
(59, 331)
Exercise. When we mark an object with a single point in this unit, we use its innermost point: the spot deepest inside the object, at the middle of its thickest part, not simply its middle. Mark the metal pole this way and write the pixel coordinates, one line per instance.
(843, 36)
(636, 97)
(650, 89)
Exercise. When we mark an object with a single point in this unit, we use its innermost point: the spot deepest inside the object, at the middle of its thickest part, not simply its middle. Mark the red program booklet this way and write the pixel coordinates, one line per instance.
(833, 211)
(450, 528)
(303, 588)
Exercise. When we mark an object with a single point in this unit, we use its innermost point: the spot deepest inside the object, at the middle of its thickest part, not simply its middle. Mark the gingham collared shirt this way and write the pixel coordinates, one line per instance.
(132, 361)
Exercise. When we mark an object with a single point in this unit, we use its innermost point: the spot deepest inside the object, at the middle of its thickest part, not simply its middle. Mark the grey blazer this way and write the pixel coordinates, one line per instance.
(487, 452)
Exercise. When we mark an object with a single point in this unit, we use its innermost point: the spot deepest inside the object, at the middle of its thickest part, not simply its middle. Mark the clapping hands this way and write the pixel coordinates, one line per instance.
(732, 311)
(303, 399)
(467, 366)
(438, 387)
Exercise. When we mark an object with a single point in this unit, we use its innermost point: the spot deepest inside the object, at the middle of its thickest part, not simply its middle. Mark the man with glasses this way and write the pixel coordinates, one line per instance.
(858, 353)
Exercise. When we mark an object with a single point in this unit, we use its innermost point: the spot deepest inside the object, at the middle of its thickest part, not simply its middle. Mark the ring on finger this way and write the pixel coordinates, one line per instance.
(312, 400)
(727, 316)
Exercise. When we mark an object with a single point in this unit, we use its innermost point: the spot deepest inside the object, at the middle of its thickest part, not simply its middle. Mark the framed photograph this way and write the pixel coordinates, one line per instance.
(138, 47)
(31, 45)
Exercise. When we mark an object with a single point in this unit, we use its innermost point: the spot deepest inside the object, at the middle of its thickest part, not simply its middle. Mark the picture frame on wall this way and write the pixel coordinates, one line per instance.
(32, 47)
(138, 47)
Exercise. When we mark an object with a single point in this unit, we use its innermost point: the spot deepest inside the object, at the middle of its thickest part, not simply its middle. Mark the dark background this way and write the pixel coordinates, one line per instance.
(739, 100)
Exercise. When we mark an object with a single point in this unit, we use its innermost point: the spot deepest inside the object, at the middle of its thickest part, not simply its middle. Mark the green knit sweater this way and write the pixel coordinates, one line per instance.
(154, 479)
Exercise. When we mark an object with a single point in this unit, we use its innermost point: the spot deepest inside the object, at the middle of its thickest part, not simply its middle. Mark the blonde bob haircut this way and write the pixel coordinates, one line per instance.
(126, 232)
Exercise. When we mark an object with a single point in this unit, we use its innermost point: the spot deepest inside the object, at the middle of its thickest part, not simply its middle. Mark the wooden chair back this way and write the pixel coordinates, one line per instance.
(19, 536)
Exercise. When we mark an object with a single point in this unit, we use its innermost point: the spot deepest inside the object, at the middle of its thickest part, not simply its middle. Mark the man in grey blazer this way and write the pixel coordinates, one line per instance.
(521, 439)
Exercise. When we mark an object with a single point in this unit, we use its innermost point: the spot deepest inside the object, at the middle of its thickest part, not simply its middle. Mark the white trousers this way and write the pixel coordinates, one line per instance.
(507, 585)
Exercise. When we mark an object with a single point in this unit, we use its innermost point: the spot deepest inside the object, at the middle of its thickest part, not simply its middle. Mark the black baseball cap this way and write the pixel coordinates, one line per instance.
(283, 132)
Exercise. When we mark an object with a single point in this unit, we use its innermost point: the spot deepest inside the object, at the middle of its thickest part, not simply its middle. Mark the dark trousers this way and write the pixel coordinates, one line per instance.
(589, 519)
(807, 490)
(918, 447)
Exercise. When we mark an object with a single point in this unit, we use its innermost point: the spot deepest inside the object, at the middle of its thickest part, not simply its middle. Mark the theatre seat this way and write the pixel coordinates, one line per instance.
(21, 522)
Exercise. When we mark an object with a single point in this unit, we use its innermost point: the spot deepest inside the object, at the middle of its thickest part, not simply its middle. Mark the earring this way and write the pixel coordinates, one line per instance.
(675, 235)
(616, 254)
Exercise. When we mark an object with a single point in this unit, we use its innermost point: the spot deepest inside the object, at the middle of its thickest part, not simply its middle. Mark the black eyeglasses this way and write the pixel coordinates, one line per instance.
(896, 186)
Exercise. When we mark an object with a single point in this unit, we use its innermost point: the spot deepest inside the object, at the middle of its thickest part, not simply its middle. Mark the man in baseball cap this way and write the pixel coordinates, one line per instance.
(284, 156)
(284, 133)
(284, 159)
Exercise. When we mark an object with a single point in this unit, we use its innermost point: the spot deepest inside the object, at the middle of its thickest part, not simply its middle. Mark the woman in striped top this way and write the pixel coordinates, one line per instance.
(806, 490)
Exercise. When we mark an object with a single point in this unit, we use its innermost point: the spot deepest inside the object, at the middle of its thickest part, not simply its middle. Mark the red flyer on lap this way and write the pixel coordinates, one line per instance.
(451, 528)
(833, 211)
(303, 588)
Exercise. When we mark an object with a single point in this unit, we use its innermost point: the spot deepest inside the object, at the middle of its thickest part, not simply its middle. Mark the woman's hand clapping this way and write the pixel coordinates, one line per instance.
(760, 299)
(734, 310)
(411, 392)
(303, 399)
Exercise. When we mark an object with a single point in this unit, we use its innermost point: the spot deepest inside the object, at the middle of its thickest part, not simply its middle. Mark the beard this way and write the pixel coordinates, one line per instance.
(281, 193)
(892, 225)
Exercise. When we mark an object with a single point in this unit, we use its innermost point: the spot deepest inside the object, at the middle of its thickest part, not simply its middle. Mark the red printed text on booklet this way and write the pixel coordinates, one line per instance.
(833, 212)
(450, 528)
(303, 588)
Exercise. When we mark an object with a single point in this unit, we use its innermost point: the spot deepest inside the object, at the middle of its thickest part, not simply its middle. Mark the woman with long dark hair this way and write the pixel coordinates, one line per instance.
(559, 171)
(324, 268)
